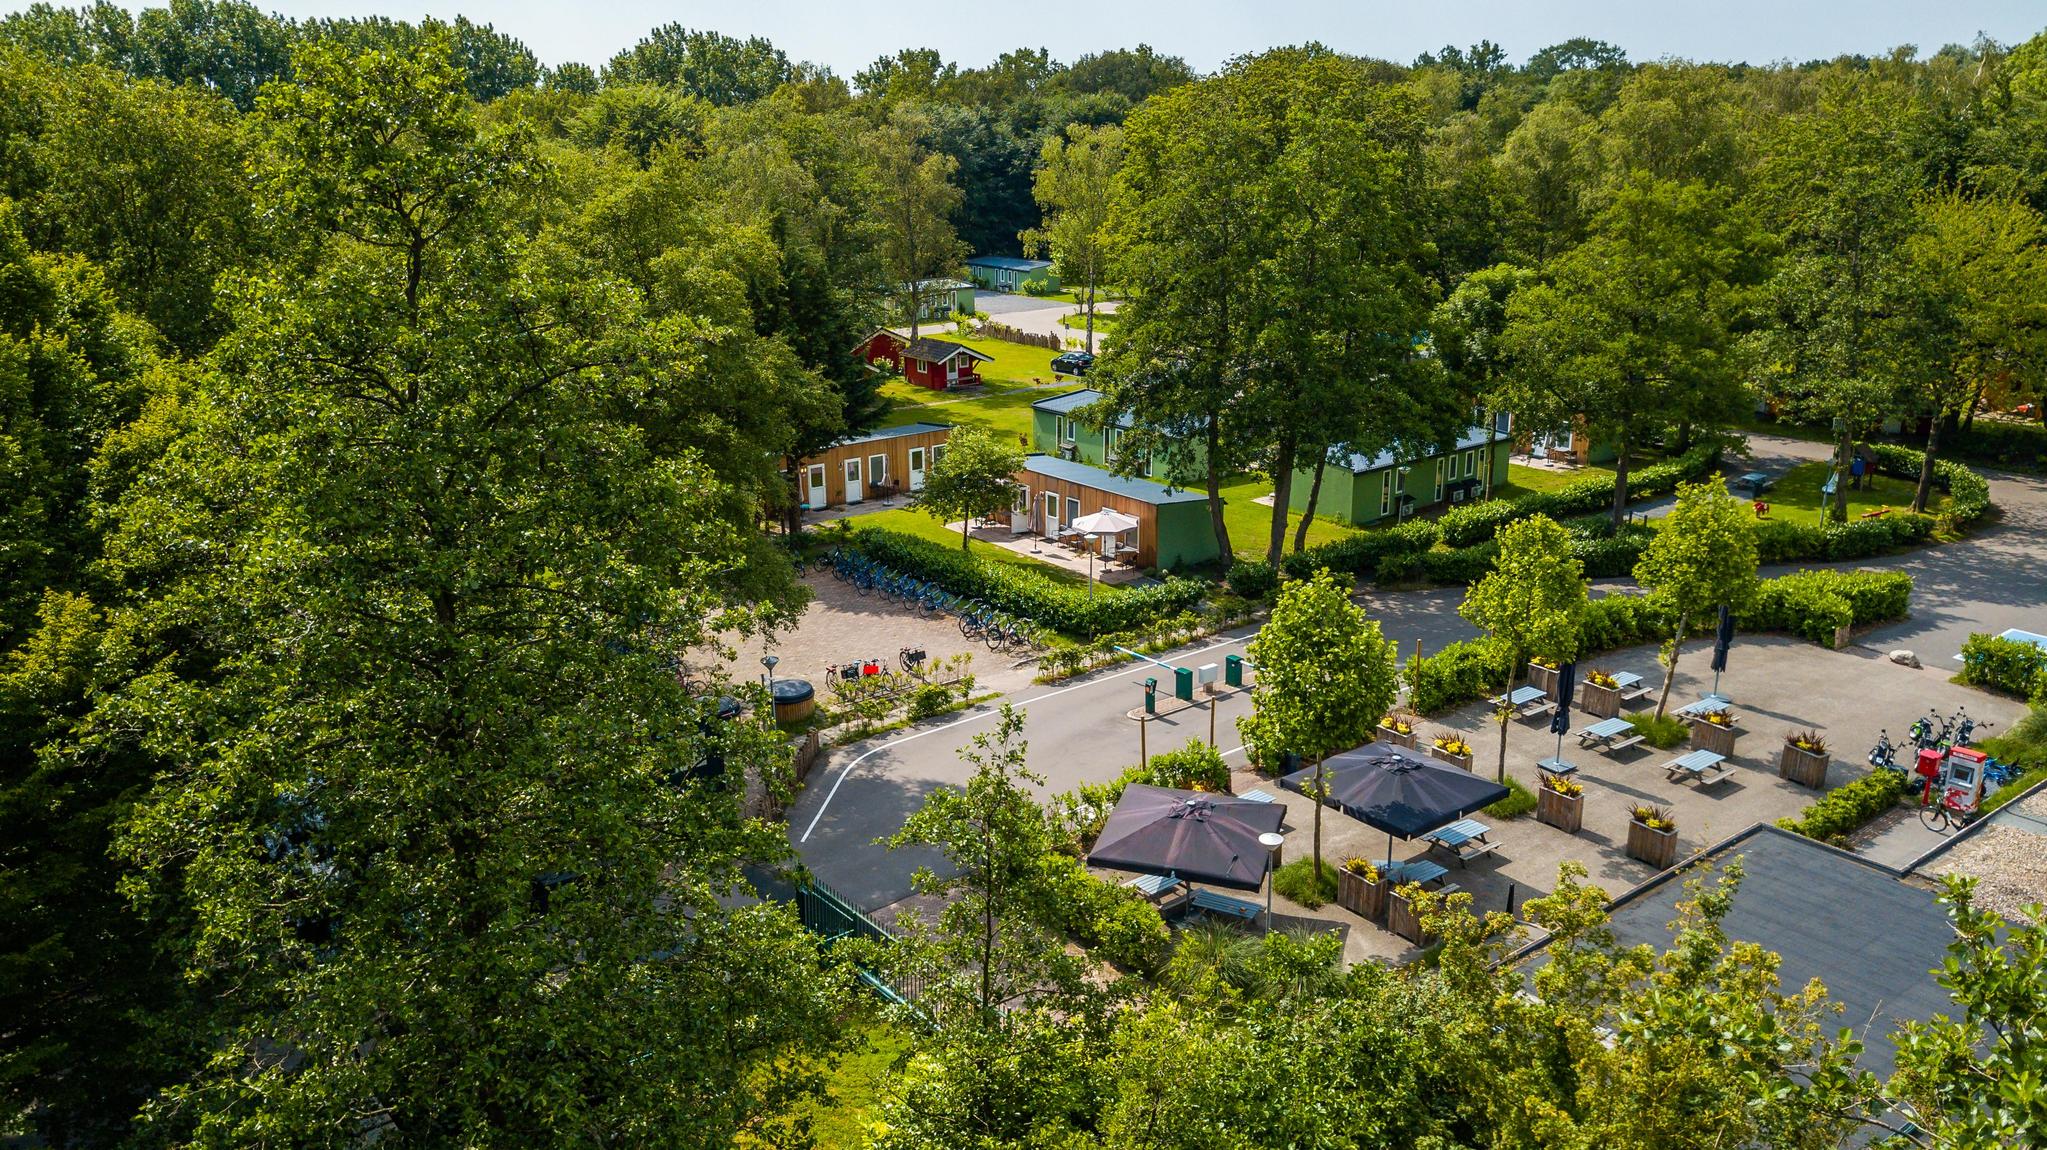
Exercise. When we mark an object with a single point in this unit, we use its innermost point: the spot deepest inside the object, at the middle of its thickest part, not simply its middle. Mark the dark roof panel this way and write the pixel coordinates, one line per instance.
(1141, 490)
(939, 350)
(894, 433)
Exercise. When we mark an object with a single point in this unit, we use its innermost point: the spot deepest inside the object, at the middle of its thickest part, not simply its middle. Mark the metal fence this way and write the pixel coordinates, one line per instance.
(829, 915)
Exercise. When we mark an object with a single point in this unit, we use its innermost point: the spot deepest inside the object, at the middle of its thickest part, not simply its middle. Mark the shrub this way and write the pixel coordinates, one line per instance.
(1298, 881)
(1478, 522)
(1252, 580)
(930, 699)
(1364, 553)
(2005, 665)
(1848, 807)
(1612, 556)
(1968, 493)
(1812, 604)
(1660, 731)
(1196, 766)
(1462, 565)
(1457, 673)
(1624, 621)
(1023, 592)
(1118, 924)
(1519, 801)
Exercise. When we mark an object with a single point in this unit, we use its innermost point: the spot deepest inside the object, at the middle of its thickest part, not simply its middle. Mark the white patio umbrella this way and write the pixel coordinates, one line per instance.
(1105, 522)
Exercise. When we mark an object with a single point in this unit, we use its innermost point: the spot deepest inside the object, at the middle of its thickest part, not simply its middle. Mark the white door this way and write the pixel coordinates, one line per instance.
(854, 492)
(917, 470)
(1051, 525)
(877, 470)
(1020, 512)
(814, 493)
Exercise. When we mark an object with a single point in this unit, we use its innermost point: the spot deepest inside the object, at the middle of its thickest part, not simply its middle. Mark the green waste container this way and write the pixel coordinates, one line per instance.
(1183, 683)
(1233, 670)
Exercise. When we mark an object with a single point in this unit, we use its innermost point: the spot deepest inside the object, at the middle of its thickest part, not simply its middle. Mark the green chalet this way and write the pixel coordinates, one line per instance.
(1061, 426)
(1013, 274)
(1361, 489)
(1173, 528)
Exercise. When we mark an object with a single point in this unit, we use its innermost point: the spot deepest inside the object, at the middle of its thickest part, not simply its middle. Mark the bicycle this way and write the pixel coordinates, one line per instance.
(911, 660)
(1947, 813)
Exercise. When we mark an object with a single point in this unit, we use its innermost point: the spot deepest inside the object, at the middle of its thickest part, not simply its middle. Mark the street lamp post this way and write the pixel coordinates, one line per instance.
(1271, 842)
(1091, 540)
(768, 674)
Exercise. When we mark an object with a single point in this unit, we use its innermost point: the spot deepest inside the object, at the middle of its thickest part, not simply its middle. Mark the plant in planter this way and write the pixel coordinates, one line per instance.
(1397, 729)
(1600, 694)
(1652, 835)
(1560, 802)
(1804, 759)
(1543, 673)
(1715, 731)
(1361, 889)
(1451, 747)
(1401, 916)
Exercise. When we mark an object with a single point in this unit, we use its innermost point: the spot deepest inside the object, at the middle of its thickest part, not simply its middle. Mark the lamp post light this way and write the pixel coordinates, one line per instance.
(1271, 842)
(1092, 539)
(768, 675)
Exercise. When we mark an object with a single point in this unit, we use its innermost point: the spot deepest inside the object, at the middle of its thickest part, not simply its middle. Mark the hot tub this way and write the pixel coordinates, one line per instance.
(795, 699)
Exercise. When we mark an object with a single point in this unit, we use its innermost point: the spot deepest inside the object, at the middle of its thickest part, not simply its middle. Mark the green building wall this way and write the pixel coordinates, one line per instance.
(1186, 535)
(1355, 497)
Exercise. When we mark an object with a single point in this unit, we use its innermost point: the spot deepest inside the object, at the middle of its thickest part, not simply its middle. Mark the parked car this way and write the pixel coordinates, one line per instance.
(1072, 363)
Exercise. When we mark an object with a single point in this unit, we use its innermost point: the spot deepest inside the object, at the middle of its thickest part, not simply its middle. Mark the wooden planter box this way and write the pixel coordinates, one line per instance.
(1367, 900)
(1402, 920)
(1564, 812)
(1605, 702)
(1804, 767)
(1657, 848)
(1443, 756)
(1708, 737)
(1389, 735)
(1544, 677)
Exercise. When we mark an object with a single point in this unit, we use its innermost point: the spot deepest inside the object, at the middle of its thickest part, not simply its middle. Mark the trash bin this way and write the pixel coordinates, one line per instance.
(1183, 684)
(1233, 670)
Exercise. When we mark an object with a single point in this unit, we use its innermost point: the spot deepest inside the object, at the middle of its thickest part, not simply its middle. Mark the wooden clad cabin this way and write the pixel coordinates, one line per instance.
(891, 461)
(1173, 527)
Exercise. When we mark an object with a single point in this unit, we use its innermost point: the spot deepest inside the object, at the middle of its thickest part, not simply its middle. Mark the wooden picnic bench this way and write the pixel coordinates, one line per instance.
(1701, 767)
(1420, 871)
(1465, 838)
(1222, 904)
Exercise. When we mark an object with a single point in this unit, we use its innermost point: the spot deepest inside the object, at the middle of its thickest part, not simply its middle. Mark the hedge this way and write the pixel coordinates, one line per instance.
(1027, 593)
(1781, 541)
(2004, 665)
(1114, 922)
(1464, 526)
(1847, 808)
(1365, 552)
(1968, 492)
(1473, 669)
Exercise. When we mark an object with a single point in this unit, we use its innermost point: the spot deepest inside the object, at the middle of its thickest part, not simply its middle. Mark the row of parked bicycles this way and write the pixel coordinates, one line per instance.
(977, 620)
(1954, 775)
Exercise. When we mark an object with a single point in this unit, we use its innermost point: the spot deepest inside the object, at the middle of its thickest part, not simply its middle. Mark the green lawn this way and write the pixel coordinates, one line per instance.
(1250, 523)
(846, 1115)
(1796, 495)
(1012, 363)
(1004, 411)
(1522, 480)
(923, 526)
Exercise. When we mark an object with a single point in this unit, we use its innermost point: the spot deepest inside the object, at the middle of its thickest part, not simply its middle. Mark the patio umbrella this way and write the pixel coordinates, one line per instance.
(1723, 638)
(1398, 791)
(1560, 719)
(1105, 522)
(1200, 837)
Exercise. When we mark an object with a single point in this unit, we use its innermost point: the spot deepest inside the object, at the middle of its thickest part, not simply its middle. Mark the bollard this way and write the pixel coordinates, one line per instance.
(1183, 684)
(1151, 696)
(1233, 670)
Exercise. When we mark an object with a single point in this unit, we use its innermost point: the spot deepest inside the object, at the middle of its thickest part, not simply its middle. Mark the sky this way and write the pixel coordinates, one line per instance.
(847, 35)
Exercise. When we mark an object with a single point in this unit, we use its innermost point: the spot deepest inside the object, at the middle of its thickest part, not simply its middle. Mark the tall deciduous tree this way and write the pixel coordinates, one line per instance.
(1075, 178)
(914, 188)
(974, 477)
(438, 827)
(1469, 330)
(1325, 677)
(709, 65)
(1532, 602)
(1703, 558)
(1630, 336)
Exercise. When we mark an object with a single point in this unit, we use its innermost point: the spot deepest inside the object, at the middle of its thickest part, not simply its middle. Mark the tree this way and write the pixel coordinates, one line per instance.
(1325, 678)
(436, 831)
(708, 65)
(1075, 178)
(1532, 602)
(1980, 266)
(917, 198)
(1469, 330)
(1630, 335)
(1703, 558)
(974, 477)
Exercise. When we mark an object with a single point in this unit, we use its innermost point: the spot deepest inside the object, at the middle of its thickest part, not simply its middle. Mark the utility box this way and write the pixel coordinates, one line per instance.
(1151, 696)
(1233, 670)
(1183, 684)
(1207, 674)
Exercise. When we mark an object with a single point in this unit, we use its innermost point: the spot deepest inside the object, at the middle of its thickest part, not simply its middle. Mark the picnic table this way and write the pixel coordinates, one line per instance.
(1630, 686)
(1698, 766)
(1603, 731)
(1413, 870)
(1527, 701)
(1709, 703)
(1757, 482)
(1153, 886)
(1465, 838)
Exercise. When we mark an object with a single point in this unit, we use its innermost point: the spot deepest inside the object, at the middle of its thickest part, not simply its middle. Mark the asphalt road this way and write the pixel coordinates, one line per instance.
(1078, 731)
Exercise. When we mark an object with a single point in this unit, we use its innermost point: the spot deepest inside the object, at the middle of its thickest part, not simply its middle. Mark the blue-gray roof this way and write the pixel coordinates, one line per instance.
(895, 433)
(1008, 263)
(1073, 401)
(1144, 491)
(1359, 464)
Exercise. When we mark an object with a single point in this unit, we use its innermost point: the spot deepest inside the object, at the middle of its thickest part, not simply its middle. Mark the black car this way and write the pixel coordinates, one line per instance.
(1073, 363)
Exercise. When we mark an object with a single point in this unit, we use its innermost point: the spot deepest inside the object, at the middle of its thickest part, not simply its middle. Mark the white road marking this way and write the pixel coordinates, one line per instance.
(995, 710)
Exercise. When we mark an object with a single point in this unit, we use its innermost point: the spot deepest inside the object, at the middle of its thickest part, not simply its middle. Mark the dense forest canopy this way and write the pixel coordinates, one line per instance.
(383, 414)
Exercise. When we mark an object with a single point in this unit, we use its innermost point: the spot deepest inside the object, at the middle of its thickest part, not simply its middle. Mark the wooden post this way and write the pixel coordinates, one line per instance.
(1142, 757)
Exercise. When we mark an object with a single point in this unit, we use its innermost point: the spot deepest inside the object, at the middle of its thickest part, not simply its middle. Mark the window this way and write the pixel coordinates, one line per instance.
(1059, 423)
(1072, 509)
(816, 484)
(916, 459)
(937, 453)
(1438, 469)
(1503, 423)
(1561, 440)
(1470, 463)
(877, 470)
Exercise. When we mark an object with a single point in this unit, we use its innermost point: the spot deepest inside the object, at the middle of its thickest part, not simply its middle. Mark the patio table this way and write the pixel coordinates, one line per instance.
(1461, 836)
(1709, 703)
(1413, 870)
(1699, 766)
(1757, 482)
(1626, 679)
(1603, 731)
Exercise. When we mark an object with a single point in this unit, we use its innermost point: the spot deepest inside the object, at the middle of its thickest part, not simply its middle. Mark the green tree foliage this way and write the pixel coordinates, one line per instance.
(708, 65)
(1532, 601)
(975, 477)
(1076, 176)
(1704, 558)
(1630, 334)
(1325, 677)
(1468, 330)
(916, 197)
(436, 829)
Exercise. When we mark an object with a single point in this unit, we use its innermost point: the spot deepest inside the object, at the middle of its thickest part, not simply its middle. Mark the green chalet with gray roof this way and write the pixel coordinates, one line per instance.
(1060, 426)
(1366, 489)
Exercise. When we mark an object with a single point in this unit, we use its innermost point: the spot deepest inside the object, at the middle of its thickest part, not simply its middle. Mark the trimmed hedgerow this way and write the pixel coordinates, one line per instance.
(1813, 605)
(1023, 592)
(1849, 807)
(1477, 522)
(2005, 665)
(1968, 493)
(1783, 541)
(1252, 579)
(1366, 552)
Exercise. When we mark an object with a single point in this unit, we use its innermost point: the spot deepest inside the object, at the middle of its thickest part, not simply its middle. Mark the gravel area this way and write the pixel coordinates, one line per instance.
(2007, 859)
